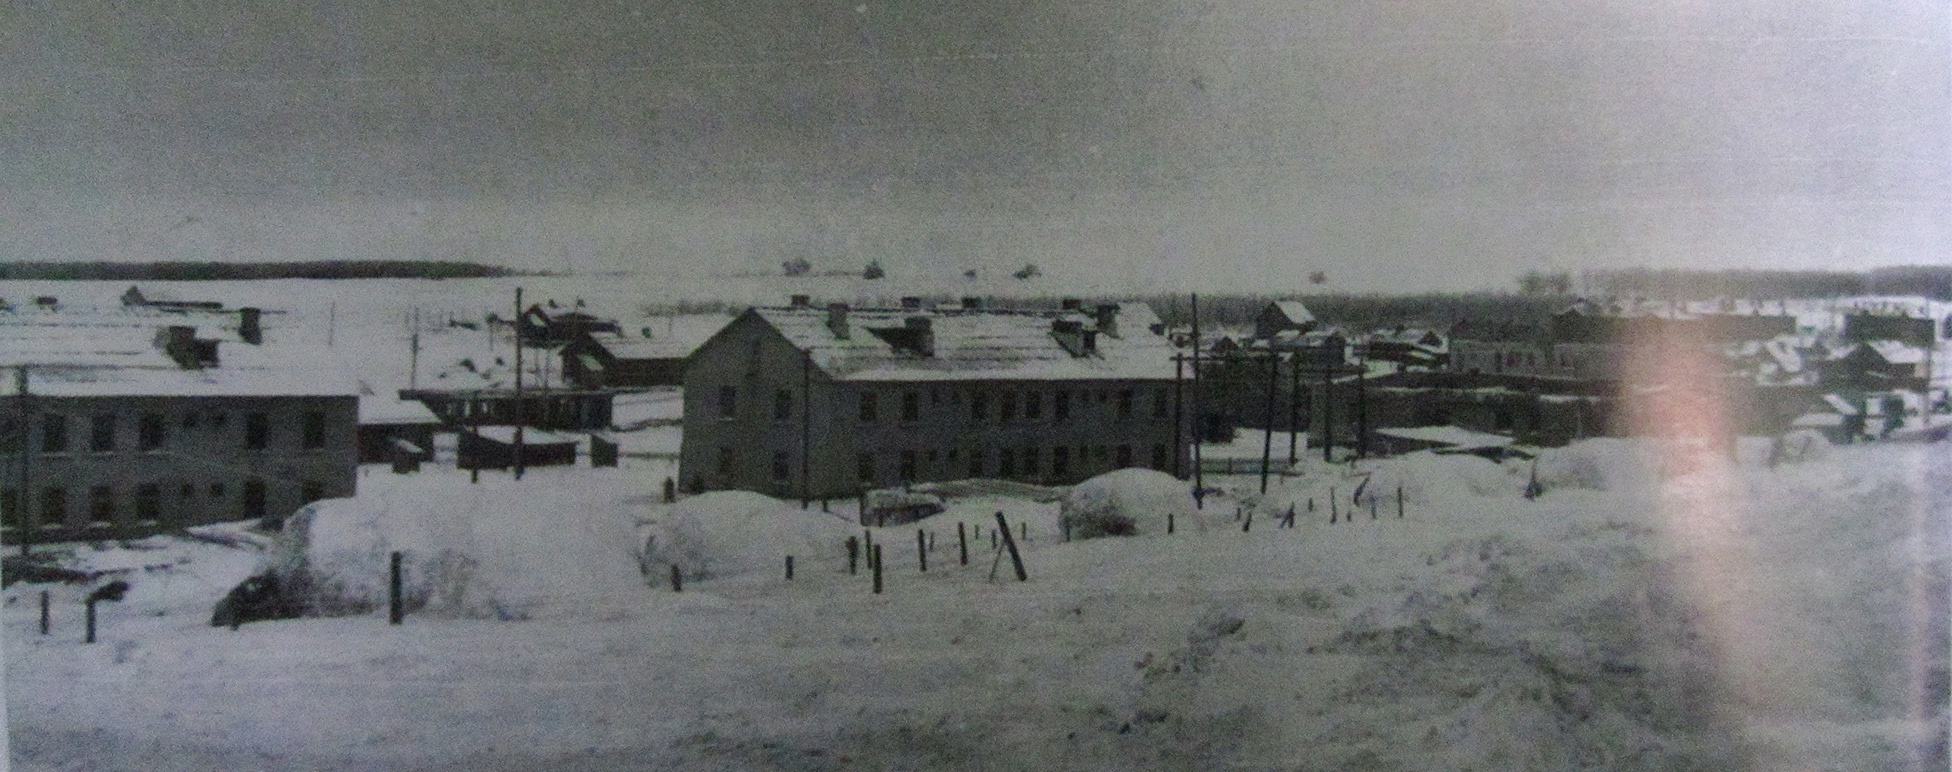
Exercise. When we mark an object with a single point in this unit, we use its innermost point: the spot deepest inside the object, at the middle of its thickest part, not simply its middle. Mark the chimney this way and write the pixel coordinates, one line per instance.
(837, 319)
(802, 301)
(1090, 342)
(1069, 334)
(249, 325)
(972, 303)
(179, 342)
(1073, 304)
(911, 304)
(1108, 319)
(921, 334)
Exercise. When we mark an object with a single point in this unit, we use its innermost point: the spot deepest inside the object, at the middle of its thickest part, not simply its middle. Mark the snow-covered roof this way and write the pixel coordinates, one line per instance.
(1294, 310)
(670, 337)
(385, 409)
(1138, 316)
(973, 345)
(112, 354)
(1448, 435)
(1898, 353)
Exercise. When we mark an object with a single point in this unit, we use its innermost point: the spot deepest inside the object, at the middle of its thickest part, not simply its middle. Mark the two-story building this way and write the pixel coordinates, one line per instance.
(818, 402)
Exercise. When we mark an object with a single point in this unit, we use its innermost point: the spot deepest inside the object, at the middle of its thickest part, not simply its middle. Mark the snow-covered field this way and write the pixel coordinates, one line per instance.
(1735, 617)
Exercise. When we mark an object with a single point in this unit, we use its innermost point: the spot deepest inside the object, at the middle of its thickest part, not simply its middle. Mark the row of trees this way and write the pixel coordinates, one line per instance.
(213, 271)
(1693, 284)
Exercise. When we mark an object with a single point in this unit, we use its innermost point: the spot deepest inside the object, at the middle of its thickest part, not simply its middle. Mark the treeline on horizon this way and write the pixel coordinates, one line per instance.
(1932, 281)
(213, 271)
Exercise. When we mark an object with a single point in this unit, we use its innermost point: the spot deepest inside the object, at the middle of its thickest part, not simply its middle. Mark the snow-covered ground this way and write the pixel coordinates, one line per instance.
(1735, 616)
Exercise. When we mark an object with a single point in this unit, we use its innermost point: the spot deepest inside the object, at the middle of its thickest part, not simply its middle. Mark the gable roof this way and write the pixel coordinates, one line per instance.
(968, 346)
(1293, 310)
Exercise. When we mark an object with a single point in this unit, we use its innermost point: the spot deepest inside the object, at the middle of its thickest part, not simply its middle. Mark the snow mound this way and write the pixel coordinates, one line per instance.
(729, 533)
(1127, 502)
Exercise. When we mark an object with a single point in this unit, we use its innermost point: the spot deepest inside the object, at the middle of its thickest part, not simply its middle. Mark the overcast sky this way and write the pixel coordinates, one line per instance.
(1190, 144)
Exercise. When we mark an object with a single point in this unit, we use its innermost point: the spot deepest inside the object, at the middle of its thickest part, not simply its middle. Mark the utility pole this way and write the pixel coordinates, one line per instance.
(1328, 410)
(1294, 401)
(521, 413)
(1179, 414)
(1267, 432)
(1199, 408)
(22, 501)
(1362, 408)
(413, 357)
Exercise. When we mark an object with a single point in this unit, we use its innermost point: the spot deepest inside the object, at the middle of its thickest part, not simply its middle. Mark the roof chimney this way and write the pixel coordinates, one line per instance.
(1108, 319)
(837, 319)
(972, 303)
(802, 301)
(250, 327)
(1073, 304)
(180, 343)
(1071, 335)
(911, 304)
(921, 332)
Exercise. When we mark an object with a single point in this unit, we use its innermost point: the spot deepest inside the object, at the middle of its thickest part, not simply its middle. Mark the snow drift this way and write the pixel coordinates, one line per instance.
(731, 533)
(1127, 502)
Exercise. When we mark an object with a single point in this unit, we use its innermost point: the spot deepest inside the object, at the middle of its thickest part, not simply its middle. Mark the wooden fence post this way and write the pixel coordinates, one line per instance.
(1247, 523)
(91, 621)
(677, 579)
(962, 543)
(395, 610)
(922, 551)
(1399, 502)
(44, 615)
(1333, 507)
(1169, 522)
(877, 569)
(853, 554)
(789, 568)
(1016, 558)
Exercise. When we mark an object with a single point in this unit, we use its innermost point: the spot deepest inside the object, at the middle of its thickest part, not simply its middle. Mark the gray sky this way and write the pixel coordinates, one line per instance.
(1191, 144)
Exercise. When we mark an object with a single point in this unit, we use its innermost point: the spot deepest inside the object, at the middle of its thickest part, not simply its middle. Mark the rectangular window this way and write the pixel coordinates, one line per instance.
(782, 465)
(1060, 463)
(101, 437)
(869, 408)
(149, 432)
(314, 430)
(101, 505)
(311, 491)
(1006, 408)
(54, 433)
(187, 490)
(257, 431)
(911, 406)
(1006, 462)
(54, 506)
(1125, 403)
(149, 502)
(864, 467)
(1033, 405)
(979, 405)
(1124, 457)
(254, 498)
(216, 490)
(1030, 466)
(1061, 406)
(908, 466)
(728, 401)
(782, 405)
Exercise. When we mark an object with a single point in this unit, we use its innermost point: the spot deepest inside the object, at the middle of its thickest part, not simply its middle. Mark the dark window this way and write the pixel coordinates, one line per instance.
(10, 439)
(1125, 403)
(1061, 405)
(979, 405)
(868, 407)
(864, 467)
(728, 462)
(1006, 407)
(188, 490)
(908, 466)
(728, 401)
(782, 405)
(190, 420)
(314, 429)
(1006, 462)
(54, 433)
(216, 490)
(911, 406)
(1030, 466)
(217, 420)
(311, 491)
(1159, 459)
(1124, 456)
(54, 506)
(149, 502)
(149, 432)
(101, 438)
(782, 466)
(254, 498)
(257, 431)
(1033, 405)
(101, 504)
(976, 462)
(1060, 463)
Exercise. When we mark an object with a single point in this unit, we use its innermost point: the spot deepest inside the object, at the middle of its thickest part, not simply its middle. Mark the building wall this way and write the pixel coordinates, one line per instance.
(942, 438)
(201, 469)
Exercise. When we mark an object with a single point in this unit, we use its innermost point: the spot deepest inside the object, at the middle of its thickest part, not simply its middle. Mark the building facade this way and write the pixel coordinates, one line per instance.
(814, 403)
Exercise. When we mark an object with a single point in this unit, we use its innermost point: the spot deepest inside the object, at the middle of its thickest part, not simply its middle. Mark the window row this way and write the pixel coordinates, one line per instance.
(145, 501)
(1029, 462)
(104, 432)
(983, 404)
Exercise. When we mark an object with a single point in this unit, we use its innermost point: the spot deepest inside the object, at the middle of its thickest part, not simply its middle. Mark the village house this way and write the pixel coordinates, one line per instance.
(1283, 316)
(112, 426)
(811, 402)
(653, 355)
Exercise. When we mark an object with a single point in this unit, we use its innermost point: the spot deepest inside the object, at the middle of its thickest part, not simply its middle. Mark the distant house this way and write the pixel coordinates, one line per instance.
(558, 409)
(818, 402)
(120, 433)
(1283, 316)
(386, 422)
(538, 327)
(649, 357)
(1875, 366)
(1865, 327)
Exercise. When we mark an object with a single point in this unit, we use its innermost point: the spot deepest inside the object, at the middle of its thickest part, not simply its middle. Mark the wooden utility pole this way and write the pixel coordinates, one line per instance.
(1362, 409)
(806, 428)
(1199, 410)
(1267, 432)
(413, 356)
(1294, 402)
(521, 414)
(1328, 410)
(23, 500)
(1179, 414)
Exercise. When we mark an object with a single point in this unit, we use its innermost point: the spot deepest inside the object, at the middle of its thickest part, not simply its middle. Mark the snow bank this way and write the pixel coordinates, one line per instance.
(480, 551)
(731, 533)
(1127, 502)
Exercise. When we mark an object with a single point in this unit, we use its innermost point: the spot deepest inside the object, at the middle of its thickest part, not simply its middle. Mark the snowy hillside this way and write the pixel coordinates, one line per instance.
(1733, 618)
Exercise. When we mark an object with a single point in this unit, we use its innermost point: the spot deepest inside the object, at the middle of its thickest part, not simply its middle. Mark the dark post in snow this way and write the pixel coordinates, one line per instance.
(1169, 522)
(853, 555)
(962, 543)
(789, 568)
(521, 413)
(1328, 410)
(1016, 558)
(1199, 413)
(1247, 523)
(1267, 433)
(1024, 529)
(670, 490)
(992, 539)
(876, 560)
(1332, 506)
(395, 611)
(677, 579)
(111, 591)
(91, 622)
(1399, 502)
(44, 618)
(922, 551)
(1289, 521)
(1372, 506)
(1294, 405)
